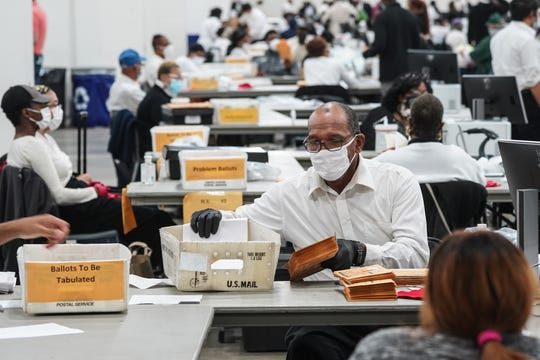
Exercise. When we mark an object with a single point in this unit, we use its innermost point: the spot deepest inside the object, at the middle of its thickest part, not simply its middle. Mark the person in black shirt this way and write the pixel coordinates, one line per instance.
(167, 86)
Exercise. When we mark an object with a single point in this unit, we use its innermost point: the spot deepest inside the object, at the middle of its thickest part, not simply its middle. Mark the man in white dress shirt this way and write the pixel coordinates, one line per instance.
(425, 156)
(377, 207)
(163, 49)
(126, 92)
(516, 52)
(209, 28)
(256, 21)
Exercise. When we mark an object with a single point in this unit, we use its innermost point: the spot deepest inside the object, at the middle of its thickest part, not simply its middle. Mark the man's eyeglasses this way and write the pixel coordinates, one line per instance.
(314, 146)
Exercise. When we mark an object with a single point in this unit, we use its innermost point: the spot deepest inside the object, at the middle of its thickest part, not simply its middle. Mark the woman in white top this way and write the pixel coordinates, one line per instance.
(78, 203)
(320, 69)
(240, 39)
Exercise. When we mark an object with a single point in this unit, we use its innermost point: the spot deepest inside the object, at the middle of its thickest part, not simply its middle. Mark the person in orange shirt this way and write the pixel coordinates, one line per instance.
(39, 24)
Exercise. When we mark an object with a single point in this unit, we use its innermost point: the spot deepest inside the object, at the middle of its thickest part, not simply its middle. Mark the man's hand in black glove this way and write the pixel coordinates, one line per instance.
(349, 253)
(205, 222)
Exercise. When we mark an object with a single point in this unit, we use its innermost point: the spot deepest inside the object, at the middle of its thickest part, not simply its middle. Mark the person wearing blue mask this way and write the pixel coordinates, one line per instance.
(169, 84)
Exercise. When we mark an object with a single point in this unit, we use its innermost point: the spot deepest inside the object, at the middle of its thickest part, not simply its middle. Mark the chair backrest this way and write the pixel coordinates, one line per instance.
(462, 203)
(324, 93)
(22, 193)
(124, 146)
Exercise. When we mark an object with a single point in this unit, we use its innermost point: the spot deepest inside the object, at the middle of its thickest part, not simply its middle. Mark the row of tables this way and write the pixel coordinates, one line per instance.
(170, 192)
(179, 331)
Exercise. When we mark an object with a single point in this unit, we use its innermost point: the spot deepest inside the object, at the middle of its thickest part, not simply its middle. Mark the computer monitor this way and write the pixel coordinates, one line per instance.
(439, 66)
(521, 162)
(500, 94)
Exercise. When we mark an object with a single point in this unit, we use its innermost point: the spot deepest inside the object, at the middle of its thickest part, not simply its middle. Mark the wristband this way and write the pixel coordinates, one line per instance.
(360, 249)
(487, 336)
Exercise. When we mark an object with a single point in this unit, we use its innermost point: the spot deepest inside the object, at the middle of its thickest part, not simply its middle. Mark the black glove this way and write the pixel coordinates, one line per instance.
(349, 253)
(205, 222)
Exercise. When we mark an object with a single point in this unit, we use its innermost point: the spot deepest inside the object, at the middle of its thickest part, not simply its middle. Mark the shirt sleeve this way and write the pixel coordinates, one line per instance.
(531, 64)
(349, 80)
(266, 210)
(408, 247)
(380, 39)
(38, 156)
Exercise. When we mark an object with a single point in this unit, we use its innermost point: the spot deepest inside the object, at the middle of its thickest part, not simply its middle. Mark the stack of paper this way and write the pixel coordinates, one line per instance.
(368, 283)
(366, 273)
(371, 290)
(414, 277)
(7, 282)
(307, 261)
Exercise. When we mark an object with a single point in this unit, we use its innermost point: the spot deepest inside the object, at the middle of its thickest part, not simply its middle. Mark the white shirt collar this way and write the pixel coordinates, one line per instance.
(523, 27)
(362, 176)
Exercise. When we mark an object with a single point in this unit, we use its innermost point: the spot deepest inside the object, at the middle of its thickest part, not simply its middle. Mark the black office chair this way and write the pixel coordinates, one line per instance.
(461, 202)
(23, 193)
(124, 146)
(324, 93)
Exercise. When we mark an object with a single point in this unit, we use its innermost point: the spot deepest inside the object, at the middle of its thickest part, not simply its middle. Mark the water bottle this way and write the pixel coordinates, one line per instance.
(148, 170)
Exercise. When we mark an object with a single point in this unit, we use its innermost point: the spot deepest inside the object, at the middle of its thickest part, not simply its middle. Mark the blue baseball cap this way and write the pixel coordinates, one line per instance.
(130, 57)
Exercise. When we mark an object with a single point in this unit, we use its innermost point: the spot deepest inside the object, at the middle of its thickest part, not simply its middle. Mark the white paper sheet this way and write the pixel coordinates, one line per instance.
(145, 283)
(7, 281)
(8, 304)
(230, 230)
(48, 329)
(164, 299)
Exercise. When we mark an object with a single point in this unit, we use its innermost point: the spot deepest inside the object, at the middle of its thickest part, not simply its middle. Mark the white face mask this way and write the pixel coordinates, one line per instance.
(331, 165)
(168, 52)
(46, 117)
(198, 60)
(57, 117)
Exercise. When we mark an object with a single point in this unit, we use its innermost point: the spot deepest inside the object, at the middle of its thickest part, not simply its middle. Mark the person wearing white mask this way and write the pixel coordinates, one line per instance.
(168, 85)
(162, 50)
(189, 64)
(256, 21)
(126, 92)
(61, 160)
(77, 202)
(375, 210)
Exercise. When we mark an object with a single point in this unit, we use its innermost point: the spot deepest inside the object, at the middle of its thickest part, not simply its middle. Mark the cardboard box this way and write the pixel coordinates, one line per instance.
(189, 264)
(203, 83)
(172, 160)
(188, 114)
(213, 169)
(235, 111)
(74, 278)
(165, 135)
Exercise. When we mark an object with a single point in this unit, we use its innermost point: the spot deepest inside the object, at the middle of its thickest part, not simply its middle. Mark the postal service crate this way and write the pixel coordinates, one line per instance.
(74, 278)
(190, 265)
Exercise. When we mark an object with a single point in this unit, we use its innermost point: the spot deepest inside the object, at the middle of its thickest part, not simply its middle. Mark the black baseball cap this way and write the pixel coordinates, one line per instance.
(19, 97)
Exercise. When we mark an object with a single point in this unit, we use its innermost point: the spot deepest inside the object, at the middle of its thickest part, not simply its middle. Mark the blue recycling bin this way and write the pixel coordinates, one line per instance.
(90, 93)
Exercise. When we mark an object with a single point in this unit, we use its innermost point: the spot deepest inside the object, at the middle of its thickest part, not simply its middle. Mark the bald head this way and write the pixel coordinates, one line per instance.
(333, 112)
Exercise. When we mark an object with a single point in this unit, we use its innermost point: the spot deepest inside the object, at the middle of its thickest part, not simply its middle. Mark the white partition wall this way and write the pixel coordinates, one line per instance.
(17, 62)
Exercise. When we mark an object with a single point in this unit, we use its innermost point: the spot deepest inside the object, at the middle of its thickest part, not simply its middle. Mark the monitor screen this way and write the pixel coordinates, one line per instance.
(441, 66)
(521, 162)
(502, 99)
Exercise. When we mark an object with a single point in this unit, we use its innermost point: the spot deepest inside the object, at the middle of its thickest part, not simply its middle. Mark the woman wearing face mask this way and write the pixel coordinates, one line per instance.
(195, 57)
(60, 159)
(240, 39)
(395, 107)
(168, 85)
(29, 111)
